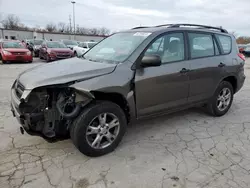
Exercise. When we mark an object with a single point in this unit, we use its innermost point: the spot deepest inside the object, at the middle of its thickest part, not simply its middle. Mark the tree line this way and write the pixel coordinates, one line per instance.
(13, 22)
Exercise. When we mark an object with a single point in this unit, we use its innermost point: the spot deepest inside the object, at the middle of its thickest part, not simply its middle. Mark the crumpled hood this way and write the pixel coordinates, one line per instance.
(64, 71)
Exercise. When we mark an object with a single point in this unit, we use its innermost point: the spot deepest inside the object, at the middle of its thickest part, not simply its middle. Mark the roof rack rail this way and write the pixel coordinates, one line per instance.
(140, 27)
(196, 25)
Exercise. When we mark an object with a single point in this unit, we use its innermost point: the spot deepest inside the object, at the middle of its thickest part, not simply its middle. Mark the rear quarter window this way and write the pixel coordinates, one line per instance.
(225, 43)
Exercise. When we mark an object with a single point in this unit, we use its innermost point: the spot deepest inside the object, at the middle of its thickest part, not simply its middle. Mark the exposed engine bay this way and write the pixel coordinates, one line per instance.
(50, 111)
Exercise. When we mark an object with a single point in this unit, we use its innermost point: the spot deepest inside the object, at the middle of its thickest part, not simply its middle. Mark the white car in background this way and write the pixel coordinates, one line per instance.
(83, 47)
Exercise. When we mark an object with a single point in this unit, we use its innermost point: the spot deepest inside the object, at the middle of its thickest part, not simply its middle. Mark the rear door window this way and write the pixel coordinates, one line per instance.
(201, 45)
(225, 43)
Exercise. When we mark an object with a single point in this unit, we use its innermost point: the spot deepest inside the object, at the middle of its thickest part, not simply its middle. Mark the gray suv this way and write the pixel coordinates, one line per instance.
(142, 72)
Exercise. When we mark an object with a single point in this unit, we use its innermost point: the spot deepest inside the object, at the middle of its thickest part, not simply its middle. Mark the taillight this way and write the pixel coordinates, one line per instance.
(242, 56)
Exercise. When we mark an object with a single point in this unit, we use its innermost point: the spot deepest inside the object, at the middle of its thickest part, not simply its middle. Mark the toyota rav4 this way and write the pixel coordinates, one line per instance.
(142, 72)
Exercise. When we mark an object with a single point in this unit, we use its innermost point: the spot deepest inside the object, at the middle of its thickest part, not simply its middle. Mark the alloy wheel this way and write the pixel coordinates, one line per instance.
(224, 99)
(102, 130)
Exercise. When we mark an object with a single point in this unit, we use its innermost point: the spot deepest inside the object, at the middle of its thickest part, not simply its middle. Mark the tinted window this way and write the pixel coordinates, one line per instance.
(56, 45)
(92, 44)
(70, 42)
(225, 42)
(169, 47)
(13, 45)
(38, 42)
(201, 45)
(84, 45)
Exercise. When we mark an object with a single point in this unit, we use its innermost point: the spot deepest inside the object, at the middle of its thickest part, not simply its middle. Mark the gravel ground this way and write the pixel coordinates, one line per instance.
(187, 149)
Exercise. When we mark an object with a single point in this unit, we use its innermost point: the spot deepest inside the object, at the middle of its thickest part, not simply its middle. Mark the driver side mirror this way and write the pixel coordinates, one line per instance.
(151, 61)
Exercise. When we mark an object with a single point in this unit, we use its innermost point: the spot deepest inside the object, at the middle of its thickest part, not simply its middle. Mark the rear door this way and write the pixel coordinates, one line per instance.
(164, 87)
(206, 65)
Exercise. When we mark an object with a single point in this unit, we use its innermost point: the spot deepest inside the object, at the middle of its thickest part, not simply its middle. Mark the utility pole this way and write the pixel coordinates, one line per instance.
(73, 3)
(70, 28)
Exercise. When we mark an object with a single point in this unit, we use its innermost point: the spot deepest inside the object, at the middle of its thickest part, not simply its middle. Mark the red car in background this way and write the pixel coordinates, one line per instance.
(11, 50)
(53, 50)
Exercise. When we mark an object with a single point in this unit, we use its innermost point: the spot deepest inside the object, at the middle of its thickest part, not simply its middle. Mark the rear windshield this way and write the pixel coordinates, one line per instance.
(13, 45)
(70, 42)
(56, 45)
(92, 44)
(38, 42)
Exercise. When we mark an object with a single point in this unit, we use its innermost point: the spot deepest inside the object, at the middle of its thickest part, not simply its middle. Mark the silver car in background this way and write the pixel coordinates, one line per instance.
(83, 47)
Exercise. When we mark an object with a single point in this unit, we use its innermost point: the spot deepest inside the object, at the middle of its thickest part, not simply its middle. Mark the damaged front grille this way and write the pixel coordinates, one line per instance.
(19, 89)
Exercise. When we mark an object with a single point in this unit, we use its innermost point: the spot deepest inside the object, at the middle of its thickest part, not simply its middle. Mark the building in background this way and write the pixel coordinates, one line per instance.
(55, 36)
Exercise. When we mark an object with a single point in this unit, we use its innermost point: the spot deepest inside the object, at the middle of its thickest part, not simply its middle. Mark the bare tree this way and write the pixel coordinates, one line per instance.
(67, 29)
(243, 40)
(104, 31)
(11, 22)
(51, 27)
(62, 27)
(83, 30)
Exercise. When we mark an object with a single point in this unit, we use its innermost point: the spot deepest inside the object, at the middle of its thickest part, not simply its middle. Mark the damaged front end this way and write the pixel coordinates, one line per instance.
(47, 111)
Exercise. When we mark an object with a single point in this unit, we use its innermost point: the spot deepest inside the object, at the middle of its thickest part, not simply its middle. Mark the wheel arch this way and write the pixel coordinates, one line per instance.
(116, 98)
(232, 80)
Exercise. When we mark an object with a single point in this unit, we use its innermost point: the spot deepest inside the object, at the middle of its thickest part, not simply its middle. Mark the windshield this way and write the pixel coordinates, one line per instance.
(117, 47)
(38, 42)
(70, 42)
(92, 44)
(56, 45)
(13, 45)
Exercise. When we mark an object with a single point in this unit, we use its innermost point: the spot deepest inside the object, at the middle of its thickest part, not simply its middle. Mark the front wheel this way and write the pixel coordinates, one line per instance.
(40, 56)
(222, 99)
(48, 58)
(75, 54)
(99, 129)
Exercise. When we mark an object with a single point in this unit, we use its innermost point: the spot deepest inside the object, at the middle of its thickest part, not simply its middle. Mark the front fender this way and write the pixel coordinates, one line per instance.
(118, 82)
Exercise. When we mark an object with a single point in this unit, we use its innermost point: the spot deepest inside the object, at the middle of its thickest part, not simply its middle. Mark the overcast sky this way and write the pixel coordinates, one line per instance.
(123, 14)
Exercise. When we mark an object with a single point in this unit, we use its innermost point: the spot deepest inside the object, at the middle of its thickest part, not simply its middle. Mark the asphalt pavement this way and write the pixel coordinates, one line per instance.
(187, 149)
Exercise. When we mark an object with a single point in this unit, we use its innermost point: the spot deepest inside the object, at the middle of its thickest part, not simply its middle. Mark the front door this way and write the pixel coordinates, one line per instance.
(164, 87)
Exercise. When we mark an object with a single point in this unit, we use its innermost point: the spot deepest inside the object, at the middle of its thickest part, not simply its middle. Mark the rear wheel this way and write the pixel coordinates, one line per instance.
(222, 99)
(99, 129)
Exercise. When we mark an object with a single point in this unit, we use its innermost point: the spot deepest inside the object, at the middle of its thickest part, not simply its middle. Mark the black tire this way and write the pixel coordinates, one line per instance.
(30, 61)
(48, 58)
(2, 59)
(212, 106)
(79, 127)
(40, 56)
(75, 54)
